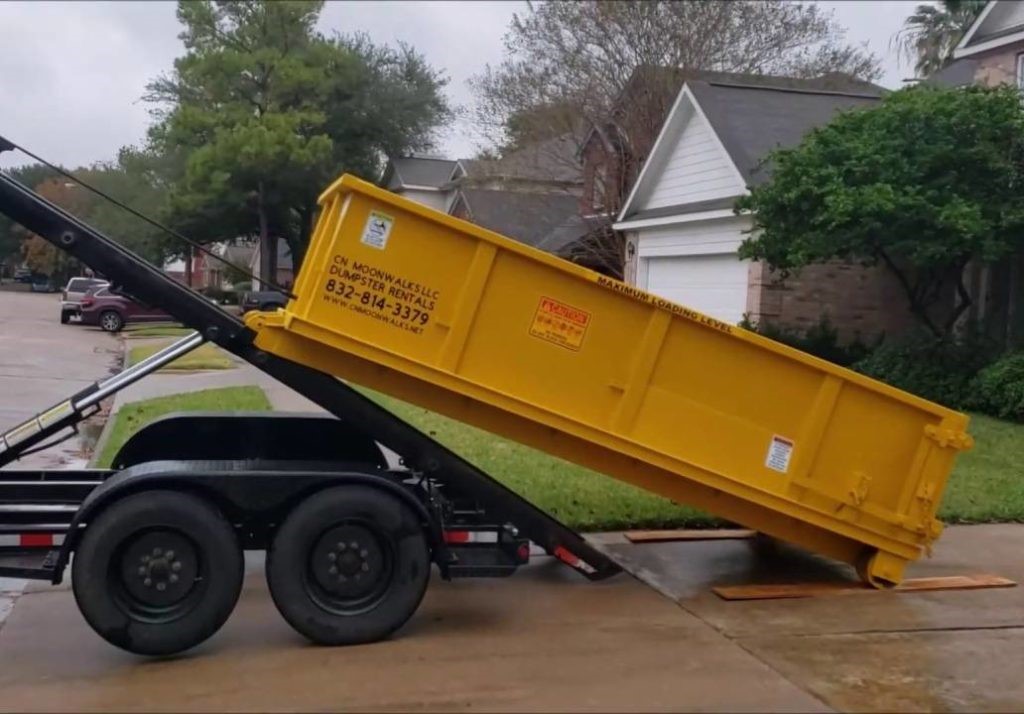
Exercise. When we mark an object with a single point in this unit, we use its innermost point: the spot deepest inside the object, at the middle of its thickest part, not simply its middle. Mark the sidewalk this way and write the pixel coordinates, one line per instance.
(165, 383)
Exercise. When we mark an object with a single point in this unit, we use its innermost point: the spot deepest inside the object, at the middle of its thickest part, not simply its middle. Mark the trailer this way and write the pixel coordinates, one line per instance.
(158, 539)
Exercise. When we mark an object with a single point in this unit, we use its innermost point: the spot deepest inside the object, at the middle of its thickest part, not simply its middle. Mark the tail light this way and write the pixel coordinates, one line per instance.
(87, 301)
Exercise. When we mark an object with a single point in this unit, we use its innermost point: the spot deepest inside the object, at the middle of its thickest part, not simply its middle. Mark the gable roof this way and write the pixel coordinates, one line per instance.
(541, 220)
(417, 172)
(1001, 23)
(750, 116)
(552, 160)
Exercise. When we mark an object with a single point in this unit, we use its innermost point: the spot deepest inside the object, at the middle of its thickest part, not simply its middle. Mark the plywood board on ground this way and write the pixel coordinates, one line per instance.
(802, 590)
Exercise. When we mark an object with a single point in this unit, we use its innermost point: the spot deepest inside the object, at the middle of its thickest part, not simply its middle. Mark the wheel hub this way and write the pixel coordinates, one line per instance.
(159, 568)
(348, 562)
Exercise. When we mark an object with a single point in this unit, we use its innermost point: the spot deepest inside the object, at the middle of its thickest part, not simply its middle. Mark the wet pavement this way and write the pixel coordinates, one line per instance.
(43, 362)
(545, 639)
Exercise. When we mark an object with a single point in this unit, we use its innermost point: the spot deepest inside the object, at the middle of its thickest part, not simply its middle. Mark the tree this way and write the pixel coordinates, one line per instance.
(43, 257)
(11, 234)
(607, 72)
(931, 33)
(923, 184)
(265, 112)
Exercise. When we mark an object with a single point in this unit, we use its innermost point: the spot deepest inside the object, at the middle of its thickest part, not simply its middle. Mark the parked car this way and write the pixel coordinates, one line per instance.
(22, 275)
(262, 300)
(72, 295)
(42, 284)
(111, 311)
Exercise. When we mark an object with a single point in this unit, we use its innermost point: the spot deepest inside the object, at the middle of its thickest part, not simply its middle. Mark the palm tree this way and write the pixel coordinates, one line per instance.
(932, 31)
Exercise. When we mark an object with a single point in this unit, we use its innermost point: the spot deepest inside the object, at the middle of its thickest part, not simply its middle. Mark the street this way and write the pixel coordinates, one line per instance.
(43, 362)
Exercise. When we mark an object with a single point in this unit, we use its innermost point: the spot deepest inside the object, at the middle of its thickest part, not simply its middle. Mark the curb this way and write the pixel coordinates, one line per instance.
(101, 442)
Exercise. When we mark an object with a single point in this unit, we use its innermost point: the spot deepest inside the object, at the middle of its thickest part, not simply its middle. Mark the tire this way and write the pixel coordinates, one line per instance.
(378, 536)
(125, 556)
(111, 321)
(65, 316)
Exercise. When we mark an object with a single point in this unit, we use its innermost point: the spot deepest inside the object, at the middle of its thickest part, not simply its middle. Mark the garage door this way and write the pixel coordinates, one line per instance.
(713, 284)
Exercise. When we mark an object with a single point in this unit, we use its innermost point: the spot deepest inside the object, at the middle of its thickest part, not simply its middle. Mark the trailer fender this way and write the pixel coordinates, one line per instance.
(247, 492)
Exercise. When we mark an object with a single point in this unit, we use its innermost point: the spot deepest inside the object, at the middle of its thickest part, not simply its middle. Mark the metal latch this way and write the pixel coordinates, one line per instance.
(949, 438)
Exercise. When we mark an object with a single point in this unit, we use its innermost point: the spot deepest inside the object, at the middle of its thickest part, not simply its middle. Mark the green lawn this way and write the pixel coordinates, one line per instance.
(987, 484)
(159, 330)
(579, 497)
(203, 357)
(135, 415)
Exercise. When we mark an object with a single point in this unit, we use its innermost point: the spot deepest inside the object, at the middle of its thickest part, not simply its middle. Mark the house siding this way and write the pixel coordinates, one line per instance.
(999, 66)
(698, 169)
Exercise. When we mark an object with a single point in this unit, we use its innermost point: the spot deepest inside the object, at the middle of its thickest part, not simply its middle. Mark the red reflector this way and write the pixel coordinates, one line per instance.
(457, 536)
(523, 552)
(566, 557)
(32, 540)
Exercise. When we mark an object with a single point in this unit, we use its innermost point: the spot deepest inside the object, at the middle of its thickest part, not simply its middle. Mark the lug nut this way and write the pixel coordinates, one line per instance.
(366, 567)
(142, 570)
(354, 545)
(333, 570)
(173, 578)
(161, 586)
(147, 582)
(332, 556)
(342, 546)
(170, 555)
(175, 566)
(363, 553)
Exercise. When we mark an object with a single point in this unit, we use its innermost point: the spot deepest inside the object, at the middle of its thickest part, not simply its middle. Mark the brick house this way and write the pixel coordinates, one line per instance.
(682, 234)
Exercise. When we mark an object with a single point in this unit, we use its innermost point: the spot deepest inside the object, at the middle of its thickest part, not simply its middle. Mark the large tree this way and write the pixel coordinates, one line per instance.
(925, 183)
(43, 257)
(11, 234)
(265, 111)
(931, 33)
(608, 72)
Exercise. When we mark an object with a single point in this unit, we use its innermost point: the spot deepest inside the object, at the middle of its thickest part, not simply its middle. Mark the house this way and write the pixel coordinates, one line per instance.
(423, 179)
(285, 265)
(991, 52)
(531, 194)
(682, 234)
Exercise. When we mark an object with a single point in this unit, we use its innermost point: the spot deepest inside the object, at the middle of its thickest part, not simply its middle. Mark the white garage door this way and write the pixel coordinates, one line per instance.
(713, 284)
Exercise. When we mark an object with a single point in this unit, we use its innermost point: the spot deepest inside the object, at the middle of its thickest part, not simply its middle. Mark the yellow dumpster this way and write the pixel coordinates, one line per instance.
(468, 323)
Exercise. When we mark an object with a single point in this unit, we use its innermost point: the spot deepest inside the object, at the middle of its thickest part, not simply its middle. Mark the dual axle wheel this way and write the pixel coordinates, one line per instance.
(159, 572)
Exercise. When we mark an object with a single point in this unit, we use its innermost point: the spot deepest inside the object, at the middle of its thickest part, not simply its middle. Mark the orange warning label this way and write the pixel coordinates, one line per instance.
(560, 324)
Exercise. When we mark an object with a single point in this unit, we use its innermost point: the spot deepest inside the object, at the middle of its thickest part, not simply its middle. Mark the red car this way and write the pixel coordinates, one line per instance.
(111, 311)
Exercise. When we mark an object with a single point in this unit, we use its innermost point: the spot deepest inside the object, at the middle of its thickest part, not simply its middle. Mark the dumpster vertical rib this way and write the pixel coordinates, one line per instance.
(466, 307)
(813, 432)
(318, 247)
(635, 387)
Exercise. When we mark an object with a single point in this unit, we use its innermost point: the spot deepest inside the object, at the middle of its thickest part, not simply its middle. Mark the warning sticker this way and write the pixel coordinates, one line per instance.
(377, 230)
(779, 453)
(560, 324)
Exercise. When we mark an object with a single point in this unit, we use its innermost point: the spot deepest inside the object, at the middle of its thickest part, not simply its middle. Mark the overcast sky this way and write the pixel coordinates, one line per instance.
(72, 73)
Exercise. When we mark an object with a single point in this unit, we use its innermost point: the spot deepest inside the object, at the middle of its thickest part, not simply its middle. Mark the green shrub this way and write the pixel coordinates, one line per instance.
(821, 340)
(938, 370)
(998, 390)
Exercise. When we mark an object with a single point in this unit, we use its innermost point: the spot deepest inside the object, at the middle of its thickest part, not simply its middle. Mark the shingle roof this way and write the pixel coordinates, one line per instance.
(553, 160)
(753, 119)
(418, 171)
(541, 220)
